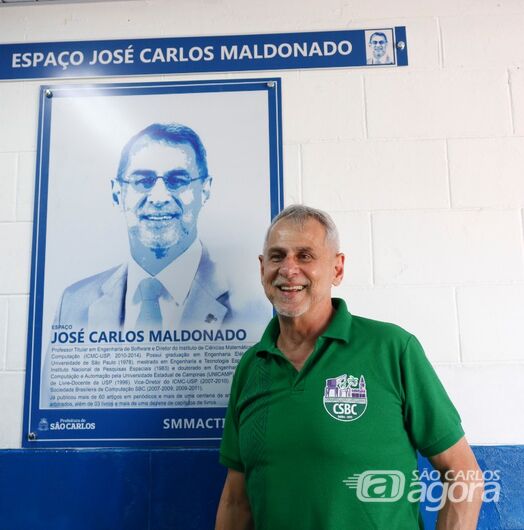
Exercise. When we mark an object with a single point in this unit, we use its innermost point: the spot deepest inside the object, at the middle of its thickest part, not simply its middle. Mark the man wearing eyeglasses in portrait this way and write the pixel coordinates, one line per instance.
(378, 49)
(169, 280)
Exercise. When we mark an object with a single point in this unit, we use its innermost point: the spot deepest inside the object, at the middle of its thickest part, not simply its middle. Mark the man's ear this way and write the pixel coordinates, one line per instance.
(206, 189)
(116, 192)
(339, 268)
(261, 261)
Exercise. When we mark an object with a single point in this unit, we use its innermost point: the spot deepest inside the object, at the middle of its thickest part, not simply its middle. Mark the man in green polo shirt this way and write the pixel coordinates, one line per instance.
(327, 411)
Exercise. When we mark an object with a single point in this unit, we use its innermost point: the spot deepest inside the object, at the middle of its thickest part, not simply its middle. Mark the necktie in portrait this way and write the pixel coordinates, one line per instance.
(150, 290)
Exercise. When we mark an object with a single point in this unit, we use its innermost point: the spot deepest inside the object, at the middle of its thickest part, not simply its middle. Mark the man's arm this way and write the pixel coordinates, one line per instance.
(234, 512)
(459, 466)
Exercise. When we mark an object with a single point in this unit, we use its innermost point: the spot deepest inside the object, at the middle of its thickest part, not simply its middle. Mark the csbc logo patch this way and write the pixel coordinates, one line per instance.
(345, 397)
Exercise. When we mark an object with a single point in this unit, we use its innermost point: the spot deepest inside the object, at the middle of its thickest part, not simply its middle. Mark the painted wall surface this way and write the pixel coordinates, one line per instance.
(422, 168)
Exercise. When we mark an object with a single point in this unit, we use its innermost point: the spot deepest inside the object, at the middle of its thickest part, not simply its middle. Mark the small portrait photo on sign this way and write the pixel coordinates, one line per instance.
(379, 47)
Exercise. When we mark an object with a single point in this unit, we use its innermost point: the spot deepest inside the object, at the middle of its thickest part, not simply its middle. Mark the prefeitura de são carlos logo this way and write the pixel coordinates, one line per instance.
(345, 397)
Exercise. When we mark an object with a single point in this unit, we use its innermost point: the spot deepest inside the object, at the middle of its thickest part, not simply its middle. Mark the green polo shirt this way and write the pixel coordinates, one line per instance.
(333, 446)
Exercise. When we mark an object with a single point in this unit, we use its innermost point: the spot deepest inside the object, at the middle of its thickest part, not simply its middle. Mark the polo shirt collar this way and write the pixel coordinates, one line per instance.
(339, 328)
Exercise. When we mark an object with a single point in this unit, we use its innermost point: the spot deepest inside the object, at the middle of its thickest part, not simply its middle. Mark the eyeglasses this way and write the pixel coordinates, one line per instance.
(144, 181)
(378, 42)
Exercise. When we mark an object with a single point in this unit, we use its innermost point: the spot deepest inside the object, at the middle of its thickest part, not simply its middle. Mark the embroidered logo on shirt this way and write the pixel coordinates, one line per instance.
(345, 397)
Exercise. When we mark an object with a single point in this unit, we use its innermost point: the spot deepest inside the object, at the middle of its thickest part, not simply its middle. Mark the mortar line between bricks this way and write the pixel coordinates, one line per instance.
(6, 330)
(16, 151)
(347, 139)
(12, 222)
(522, 224)
(484, 283)
(436, 209)
(440, 45)
(300, 179)
(21, 150)
(511, 106)
(448, 173)
(457, 316)
(447, 285)
(364, 109)
(473, 364)
(17, 182)
(371, 249)
(522, 233)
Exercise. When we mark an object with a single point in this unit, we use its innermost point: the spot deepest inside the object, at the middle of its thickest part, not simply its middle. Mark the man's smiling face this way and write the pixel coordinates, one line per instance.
(299, 267)
(162, 212)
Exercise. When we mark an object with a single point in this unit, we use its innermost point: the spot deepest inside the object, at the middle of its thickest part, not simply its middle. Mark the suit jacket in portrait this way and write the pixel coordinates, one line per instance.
(98, 302)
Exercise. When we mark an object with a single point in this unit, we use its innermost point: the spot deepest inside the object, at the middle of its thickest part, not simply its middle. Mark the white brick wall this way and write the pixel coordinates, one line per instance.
(375, 174)
(8, 168)
(355, 239)
(422, 168)
(477, 41)
(487, 172)
(489, 421)
(318, 107)
(438, 104)
(12, 398)
(516, 79)
(25, 186)
(3, 330)
(19, 109)
(491, 321)
(18, 308)
(16, 255)
(447, 247)
(293, 172)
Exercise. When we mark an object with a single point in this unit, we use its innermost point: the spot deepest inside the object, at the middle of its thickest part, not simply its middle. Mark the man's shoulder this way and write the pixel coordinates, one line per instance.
(248, 363)
(216, 280)
(210, 275)
(96, 282)
(388, 346)
(106, 290)
(382, 328)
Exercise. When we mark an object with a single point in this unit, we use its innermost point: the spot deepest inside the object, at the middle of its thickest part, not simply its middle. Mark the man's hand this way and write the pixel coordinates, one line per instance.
(459, 466)
(234, 512)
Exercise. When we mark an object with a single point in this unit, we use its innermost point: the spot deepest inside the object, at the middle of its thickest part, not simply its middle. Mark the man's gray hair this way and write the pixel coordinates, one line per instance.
(299, 214)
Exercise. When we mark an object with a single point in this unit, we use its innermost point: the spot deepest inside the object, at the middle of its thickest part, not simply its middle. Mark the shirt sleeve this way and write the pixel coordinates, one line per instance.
(229, 448)
(431, 419)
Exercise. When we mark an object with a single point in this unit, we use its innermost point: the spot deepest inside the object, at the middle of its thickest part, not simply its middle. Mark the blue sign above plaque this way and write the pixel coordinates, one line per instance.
(278, 51)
